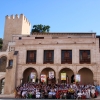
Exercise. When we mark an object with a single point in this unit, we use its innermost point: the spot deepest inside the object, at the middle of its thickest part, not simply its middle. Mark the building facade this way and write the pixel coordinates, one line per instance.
(45, 53)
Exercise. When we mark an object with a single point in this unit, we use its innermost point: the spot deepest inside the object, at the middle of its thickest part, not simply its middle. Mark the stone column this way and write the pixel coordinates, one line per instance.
(57, 75)
(10, 78)
(95, 78)
(75, 72)
(57, 81)
(75, 56)
(39, 57)
(0, 86)
(39, 77)
(57, 56)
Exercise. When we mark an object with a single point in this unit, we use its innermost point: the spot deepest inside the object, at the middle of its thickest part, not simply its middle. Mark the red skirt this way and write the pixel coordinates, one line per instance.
(83, 97)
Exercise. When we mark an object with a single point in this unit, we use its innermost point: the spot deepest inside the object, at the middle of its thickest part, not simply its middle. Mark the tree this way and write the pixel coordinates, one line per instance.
(1, 42)
(40, 28)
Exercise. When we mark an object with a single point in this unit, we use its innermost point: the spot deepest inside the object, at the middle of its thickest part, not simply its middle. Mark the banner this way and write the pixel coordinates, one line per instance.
(33, 80)
(63, 76)
(77, 78)
(43, 78)
(51, 74)
(33, 75)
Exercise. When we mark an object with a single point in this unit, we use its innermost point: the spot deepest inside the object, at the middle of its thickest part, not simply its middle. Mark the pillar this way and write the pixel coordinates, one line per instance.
(57, 77)
(75, 73)
(0, 86)
(39, 77)
(95, 78)
(10, 78)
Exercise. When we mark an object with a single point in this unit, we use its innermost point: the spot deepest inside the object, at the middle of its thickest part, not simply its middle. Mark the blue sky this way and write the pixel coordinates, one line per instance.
(60, 15)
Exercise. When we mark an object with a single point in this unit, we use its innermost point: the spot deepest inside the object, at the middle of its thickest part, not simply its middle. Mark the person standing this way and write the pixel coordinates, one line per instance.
(93, 92)
(89, 92)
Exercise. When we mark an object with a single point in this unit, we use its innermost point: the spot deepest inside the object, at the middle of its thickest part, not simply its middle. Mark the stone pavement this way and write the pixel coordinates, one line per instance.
(12, 96)
(98, 97)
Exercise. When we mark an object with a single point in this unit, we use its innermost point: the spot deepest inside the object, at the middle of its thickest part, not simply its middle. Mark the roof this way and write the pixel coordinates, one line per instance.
(61, 33)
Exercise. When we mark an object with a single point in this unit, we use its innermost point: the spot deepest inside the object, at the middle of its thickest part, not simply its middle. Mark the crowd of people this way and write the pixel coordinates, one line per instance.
(56, 91)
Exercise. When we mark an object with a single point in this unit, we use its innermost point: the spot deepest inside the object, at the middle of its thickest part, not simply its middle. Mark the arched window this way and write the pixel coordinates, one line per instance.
(3, 63)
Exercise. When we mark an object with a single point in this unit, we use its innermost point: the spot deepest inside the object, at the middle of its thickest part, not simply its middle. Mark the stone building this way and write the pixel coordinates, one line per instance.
(41, 53)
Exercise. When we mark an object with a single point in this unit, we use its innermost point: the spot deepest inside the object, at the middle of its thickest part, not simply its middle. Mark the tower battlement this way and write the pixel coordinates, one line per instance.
(15, 24)
(17, 17)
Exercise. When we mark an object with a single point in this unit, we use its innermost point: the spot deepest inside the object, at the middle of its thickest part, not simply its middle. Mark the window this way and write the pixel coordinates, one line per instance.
(10, 63)
(31, 56)
(48, 56)
(66, 56)
(84, 56)
(39, 37)
(20, 38)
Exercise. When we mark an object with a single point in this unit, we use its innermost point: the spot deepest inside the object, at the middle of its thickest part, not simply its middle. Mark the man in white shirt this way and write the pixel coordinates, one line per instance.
(93, 92)
(50, 95)
(88, 92)
(79, 95)
(37, 95)
(24, 94)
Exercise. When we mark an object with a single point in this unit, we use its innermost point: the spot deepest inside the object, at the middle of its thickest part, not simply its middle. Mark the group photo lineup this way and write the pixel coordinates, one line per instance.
(50, 49)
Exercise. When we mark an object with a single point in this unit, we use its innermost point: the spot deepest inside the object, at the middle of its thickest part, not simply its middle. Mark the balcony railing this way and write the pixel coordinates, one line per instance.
(66, 61)
(83, 61)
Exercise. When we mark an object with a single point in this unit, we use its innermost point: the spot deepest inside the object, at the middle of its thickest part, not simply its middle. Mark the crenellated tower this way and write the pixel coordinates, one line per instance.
(15, 25)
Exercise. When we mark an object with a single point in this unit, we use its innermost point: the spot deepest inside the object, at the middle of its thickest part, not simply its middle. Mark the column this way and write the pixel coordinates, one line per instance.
(75, 56)
(39, 77)
(57, 56)
(39, 57)
(57, 76)
(10, 78)
(75, 72)
(0, 86)
(95, 78)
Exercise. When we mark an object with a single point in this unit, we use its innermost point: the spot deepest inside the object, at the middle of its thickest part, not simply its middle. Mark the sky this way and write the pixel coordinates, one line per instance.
(60, 15)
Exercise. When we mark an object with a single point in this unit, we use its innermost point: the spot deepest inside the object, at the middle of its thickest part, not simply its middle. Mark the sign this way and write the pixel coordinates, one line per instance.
(51, 74)
(63, 76)
(43, 78)
(33, 75)
(77, 78)
(33, 80)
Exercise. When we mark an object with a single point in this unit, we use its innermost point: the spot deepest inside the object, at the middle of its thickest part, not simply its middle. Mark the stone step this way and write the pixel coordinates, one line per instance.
(7, 95)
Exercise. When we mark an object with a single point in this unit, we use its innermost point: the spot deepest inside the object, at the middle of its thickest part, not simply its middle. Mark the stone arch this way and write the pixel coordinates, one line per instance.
(88, 67)
(69, 75)
(47, 67)
(3, 55)
(26, 67)
(3, 63)
(86, 75)
(27, 75)
(70, 67)
(2, 77)
(46, 71)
